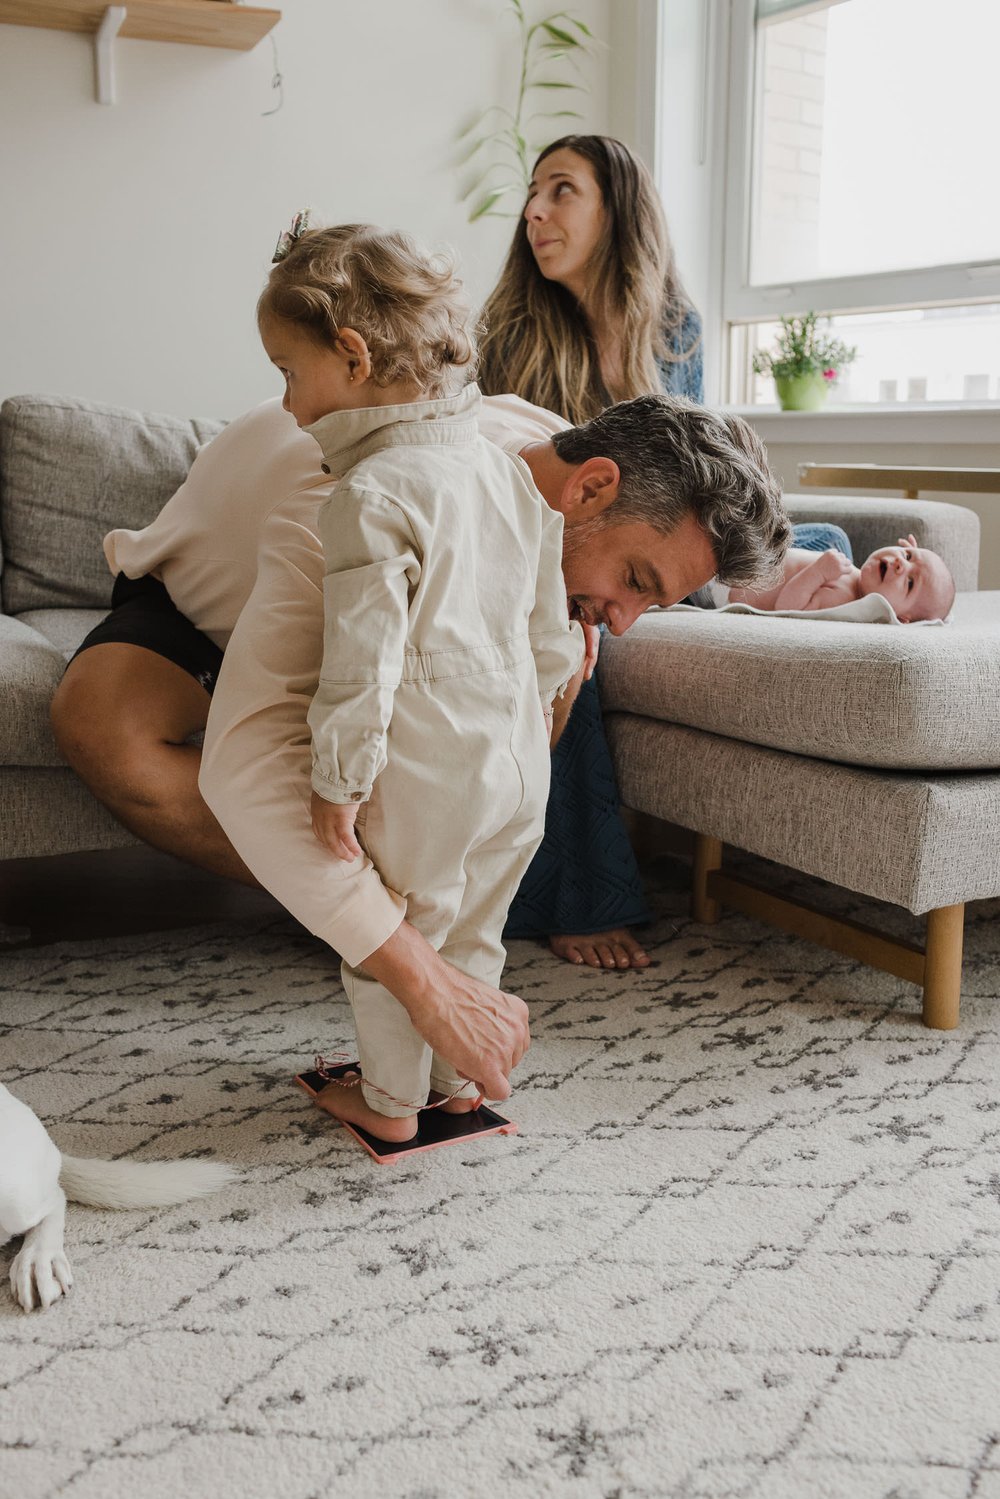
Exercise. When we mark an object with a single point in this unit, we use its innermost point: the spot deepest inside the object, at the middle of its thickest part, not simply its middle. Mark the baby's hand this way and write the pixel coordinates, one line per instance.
(333, 825)
(835, 565)
(907, 541)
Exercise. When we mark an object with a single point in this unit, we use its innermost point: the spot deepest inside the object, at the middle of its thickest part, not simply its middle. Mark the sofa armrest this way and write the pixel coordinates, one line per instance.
(950, 530)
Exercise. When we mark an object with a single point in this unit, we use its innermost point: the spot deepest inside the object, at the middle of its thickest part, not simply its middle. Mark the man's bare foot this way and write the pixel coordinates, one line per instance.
(614, 949)
(348, 1105)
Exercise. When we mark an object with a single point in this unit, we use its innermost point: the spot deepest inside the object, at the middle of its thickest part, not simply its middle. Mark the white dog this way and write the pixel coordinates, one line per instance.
(35, 1182)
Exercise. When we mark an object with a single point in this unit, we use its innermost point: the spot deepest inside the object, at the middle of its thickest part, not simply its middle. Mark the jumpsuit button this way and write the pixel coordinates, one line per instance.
(325, 467)
(357, 796)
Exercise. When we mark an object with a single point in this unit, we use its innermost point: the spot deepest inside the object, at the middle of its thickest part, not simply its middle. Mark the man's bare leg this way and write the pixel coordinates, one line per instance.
(121, 716)
(614, 949)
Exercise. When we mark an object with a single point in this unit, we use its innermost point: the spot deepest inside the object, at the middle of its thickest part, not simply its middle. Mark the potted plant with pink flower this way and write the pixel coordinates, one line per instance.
(804, 362)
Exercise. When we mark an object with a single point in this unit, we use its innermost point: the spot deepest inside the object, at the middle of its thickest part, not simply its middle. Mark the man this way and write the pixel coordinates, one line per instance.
(657, 497)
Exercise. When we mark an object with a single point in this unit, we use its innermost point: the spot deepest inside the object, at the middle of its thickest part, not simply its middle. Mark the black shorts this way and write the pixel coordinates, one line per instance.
(143, 613)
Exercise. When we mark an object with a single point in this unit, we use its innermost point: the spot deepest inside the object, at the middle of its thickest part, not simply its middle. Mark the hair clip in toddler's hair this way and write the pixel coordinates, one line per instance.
(287, 237)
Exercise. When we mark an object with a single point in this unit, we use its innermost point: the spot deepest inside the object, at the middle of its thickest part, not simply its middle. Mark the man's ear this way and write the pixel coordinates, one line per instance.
(355, 351)
(590, 489)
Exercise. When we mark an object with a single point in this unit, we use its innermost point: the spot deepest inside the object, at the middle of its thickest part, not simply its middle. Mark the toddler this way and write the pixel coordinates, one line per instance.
(914, 580)
(446, 633)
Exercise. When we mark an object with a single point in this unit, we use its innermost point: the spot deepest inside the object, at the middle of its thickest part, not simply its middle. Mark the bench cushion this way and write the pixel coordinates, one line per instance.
(894, 697)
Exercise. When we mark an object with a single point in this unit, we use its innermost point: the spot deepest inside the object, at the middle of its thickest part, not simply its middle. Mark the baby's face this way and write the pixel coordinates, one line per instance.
(913, 579)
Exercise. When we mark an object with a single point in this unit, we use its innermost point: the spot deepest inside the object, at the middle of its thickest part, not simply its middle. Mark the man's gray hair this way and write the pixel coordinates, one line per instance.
(677, 459)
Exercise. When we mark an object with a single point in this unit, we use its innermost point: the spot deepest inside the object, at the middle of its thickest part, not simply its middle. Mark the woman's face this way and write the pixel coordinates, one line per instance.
(565, 217)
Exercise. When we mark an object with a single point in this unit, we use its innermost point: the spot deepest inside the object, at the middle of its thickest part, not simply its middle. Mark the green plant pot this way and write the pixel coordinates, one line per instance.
(801, 392)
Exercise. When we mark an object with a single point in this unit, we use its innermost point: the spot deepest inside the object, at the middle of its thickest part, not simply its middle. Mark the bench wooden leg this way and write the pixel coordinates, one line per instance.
(943, 967)
(707, 857)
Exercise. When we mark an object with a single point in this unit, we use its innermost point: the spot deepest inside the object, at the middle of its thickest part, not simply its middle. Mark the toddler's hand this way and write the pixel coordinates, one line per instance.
(907, 541)
(333, 824)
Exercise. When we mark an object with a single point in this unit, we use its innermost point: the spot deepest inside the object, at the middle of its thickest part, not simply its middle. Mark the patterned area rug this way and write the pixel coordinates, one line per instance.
(746, 1244)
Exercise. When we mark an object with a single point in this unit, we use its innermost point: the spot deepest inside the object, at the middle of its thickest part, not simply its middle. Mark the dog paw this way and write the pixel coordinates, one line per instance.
(38, 1279)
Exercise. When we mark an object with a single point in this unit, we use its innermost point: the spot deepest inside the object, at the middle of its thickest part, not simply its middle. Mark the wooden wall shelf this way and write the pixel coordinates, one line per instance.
(206, 23)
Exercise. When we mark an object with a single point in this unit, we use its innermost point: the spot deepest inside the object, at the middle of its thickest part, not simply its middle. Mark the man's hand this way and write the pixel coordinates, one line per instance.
(480, 1030)
(592, 644)
(333, 825)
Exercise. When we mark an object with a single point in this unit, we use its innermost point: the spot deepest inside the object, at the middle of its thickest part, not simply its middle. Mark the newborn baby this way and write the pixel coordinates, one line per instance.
(914, 580)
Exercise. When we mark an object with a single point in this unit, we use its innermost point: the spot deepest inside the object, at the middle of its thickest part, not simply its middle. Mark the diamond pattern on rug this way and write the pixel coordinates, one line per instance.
(746, 1245)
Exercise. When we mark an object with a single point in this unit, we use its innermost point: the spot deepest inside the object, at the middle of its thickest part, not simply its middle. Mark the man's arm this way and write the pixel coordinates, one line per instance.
(482, 1031)
(562, 706)
(256, 775)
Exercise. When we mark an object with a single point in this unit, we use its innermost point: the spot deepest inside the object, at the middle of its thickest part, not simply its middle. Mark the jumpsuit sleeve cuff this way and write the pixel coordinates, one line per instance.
(338, 790)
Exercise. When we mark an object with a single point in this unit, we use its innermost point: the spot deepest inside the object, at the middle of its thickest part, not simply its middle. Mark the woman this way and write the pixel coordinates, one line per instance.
(590, 310)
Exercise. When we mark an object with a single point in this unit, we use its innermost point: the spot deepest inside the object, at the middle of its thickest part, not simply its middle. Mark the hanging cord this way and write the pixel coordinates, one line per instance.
(277, 82)
(323, 1064)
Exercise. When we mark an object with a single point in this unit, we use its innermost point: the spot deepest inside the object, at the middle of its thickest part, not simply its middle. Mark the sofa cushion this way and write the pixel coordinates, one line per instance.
(64, 628)
(71, 470)
(903, 697)
(31, 669)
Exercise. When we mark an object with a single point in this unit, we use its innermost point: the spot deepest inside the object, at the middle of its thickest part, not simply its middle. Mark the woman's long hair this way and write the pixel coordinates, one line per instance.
(538, 342)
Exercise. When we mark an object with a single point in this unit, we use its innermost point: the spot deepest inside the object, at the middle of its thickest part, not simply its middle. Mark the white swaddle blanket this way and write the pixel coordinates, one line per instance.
(872, 609)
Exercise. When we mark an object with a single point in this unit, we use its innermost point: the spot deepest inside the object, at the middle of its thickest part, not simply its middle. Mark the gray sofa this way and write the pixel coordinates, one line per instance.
(864, 754)
(70, 470)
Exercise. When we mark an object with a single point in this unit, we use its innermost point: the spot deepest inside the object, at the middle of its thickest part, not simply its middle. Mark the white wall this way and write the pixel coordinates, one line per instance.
(137, 236)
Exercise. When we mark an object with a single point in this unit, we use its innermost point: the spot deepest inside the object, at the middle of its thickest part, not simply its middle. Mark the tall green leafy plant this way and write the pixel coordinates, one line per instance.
(502, 148)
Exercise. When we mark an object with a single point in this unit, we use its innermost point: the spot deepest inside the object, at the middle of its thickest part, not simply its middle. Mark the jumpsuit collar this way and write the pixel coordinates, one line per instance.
(347, 437)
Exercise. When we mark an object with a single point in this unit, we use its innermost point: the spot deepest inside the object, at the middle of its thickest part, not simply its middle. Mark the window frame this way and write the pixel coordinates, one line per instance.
(958, 284)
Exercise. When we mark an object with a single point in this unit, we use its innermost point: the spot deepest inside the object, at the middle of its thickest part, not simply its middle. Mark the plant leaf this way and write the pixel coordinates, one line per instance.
(487, 201)
(565, 38)
(474, 124)
(554, 114)
(564, 15)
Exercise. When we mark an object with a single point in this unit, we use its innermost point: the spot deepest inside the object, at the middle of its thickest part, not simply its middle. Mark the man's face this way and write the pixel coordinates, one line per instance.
(615, 572)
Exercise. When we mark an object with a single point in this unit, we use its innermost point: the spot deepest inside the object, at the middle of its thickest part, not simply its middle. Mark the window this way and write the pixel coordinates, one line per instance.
(861, 185)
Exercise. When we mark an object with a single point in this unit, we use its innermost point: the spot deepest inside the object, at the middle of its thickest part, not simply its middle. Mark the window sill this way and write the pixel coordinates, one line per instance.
(927, 423)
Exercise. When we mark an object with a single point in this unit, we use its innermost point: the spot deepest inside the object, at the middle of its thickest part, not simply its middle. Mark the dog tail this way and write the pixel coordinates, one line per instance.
(141, 1184)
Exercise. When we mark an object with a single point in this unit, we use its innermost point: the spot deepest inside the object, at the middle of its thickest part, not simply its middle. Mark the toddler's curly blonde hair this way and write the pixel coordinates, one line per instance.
(408, 304)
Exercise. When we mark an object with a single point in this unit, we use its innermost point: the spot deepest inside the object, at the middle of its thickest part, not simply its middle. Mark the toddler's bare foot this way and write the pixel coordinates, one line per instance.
(454, 1105)
(614, 949)
(348, 1105)
(459, 1106)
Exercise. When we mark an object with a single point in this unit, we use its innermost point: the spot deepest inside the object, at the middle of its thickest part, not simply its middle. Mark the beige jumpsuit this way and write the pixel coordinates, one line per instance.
(445, 623)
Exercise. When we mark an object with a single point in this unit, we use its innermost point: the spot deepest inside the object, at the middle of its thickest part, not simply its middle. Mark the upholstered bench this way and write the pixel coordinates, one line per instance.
(866, 755)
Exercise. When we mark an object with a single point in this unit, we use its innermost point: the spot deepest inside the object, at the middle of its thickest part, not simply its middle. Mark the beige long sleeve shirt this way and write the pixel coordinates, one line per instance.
(206, 544)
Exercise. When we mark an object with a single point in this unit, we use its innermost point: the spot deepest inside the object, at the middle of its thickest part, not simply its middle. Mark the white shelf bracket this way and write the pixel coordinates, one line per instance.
(104, 52)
